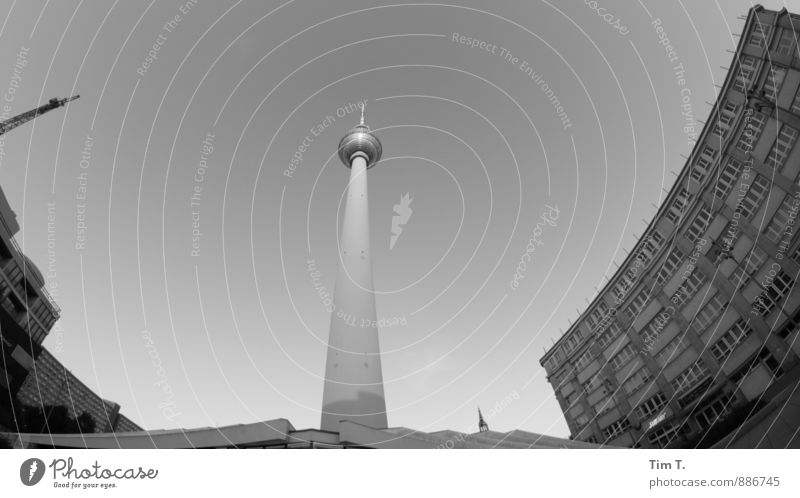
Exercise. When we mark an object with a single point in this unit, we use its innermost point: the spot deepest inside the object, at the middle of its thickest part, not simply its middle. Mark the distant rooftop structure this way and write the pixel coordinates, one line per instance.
(280, 433)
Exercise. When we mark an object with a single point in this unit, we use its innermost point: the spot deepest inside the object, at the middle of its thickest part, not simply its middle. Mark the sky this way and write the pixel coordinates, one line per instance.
(194, 189)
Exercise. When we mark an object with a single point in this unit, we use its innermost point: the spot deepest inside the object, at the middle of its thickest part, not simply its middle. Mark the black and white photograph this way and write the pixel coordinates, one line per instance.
(412, 227)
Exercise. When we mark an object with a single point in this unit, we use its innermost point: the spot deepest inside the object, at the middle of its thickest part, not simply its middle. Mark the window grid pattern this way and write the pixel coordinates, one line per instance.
(636, 380)
(774, 293)
(700, 223)
(782, 147)
(751, 132)
(672, 350)
(622, 357)
(777, 227)
(709, 313)
(688, 288)
(744, 74)
(726, 344)
(689, 378)
(676, 209)
(772, 85)
(652, 405)
(750, 203)
(616, 429)
(671, 265)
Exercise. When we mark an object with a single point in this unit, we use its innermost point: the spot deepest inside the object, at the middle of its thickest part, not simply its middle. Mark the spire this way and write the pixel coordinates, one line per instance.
(482, 425)
(362, 113)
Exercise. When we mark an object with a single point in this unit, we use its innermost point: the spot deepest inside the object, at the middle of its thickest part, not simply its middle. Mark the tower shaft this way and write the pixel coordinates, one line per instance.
(353, 378)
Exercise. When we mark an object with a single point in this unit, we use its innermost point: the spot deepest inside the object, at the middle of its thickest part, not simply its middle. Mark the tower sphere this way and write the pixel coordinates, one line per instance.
(360, 139)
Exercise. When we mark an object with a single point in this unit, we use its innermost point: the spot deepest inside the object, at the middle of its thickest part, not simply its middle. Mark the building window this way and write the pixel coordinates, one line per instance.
(777, 227)
(772, 85)
(635, 381)
(604, 405)
(584, 360)
(688, 288)
(782, 147)
(611, 333)
(700, 223)
(593, 383)
(725, 119)
(690, 378)
(671, 265)
(571, 398)
(760, 33)
(616, 429)
(637, 303)
(705, 160)
(597, 315)
(557, 379)
(755, 258)
(650, 247)
(650, 332)
(676, 209)
(752, 132)
(796, 102)
(652, 405)
(727, 178)
(714, 412)
(774, 293)
(744, 75)
(582, 419)
(786, 42)
(663, 436)
(709, 313)
(622, 357)
(725, 345)
(750, 203)
(764, 358)
(672, 350)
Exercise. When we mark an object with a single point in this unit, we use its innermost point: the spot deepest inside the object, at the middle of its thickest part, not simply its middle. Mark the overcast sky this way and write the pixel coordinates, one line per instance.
(554, 110)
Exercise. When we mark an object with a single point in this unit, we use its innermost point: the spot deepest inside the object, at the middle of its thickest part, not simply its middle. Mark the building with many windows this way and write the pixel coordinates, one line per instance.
(693, 342)
(31, 376)
(51, 384)
(27, 312)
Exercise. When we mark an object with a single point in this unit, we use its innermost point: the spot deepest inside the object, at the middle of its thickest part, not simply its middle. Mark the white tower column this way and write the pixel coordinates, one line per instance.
(353, 378)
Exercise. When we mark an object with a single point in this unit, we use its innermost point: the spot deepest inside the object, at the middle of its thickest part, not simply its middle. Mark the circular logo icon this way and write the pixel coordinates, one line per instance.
(31, 471)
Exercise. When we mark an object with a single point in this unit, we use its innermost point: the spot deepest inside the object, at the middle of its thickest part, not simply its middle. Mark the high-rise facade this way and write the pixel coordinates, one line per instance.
(696, 334)
(27, 312)
(30, 375)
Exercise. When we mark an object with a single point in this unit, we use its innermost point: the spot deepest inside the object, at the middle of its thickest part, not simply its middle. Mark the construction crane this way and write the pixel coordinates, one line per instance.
(23, 118)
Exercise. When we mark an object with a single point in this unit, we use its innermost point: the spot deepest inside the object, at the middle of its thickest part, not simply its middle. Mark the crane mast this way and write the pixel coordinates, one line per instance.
(23, 118)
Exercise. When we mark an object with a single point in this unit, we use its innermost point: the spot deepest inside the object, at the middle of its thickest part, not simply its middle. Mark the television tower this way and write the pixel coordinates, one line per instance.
(353, 378)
